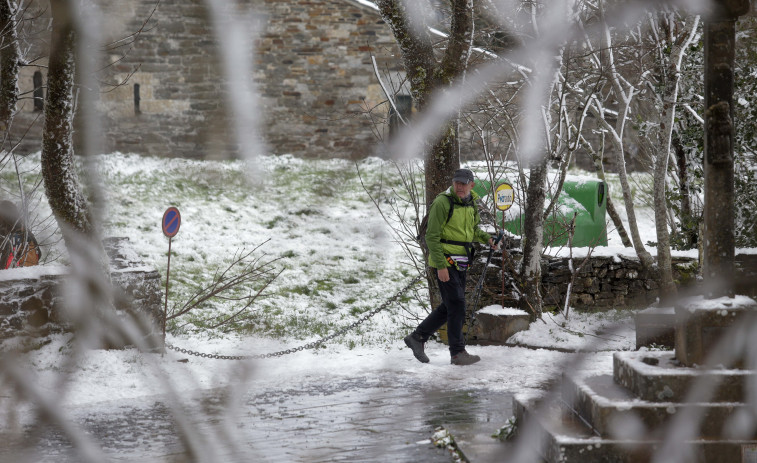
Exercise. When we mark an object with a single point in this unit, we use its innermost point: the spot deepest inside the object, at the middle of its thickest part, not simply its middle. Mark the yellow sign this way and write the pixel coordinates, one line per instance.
(504, 196)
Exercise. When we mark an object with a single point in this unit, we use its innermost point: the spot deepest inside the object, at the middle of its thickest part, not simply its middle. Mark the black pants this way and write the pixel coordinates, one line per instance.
(451, 311)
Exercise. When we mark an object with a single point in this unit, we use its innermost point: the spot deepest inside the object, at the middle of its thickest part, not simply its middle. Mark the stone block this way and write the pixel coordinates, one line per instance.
(29, 304)
(16, 323)
(32, 304)
(7, 308)
(38, 317)
(701, 323)
(497, 326)
(27, 289)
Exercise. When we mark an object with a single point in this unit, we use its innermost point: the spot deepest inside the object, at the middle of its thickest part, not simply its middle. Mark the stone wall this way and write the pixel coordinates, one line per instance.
(607, 282)
(316, 76)
(31, 298)
(603, 283)
(312, 69)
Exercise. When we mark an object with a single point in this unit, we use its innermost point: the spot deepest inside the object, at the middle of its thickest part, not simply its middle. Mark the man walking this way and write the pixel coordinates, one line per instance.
(452, 227)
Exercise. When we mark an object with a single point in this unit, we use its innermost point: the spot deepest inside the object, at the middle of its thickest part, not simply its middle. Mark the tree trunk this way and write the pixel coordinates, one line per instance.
(9, 59)
(533, 237)
(664, 262)
(668, 288)
(641, 251)
(611, 211)
(617, 221)
(616, 134)
(61, 181)
(624, 98)
(440, 164)
(426, 76)
(689, 226)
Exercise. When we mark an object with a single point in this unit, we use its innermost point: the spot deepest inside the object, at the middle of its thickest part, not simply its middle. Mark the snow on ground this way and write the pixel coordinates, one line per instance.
(338, 259)
(612, 330)
(107, 375)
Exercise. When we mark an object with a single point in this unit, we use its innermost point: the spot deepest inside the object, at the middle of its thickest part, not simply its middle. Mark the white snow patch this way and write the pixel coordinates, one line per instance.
(499, 310)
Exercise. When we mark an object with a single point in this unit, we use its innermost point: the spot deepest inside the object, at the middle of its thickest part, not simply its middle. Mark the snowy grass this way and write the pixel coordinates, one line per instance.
(336, 255)
(314, 218)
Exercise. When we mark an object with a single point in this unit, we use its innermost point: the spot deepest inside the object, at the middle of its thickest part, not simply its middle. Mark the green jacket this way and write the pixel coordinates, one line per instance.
(462, 226)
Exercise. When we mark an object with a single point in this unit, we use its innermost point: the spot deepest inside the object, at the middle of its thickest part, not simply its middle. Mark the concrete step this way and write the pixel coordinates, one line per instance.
(555, 437)
(609, 409)
(658, 377)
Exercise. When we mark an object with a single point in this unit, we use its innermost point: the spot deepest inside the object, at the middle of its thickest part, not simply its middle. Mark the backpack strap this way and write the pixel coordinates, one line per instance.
(469, 249)
(451, 208)
(471, 203)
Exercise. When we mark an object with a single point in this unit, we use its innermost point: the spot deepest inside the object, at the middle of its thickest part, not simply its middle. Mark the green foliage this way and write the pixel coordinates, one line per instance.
(508, 431)
(690, 134)
(745, 115)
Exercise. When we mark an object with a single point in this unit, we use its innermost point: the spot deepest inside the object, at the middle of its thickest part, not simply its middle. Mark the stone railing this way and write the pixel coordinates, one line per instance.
(604, 282)
(32, 298)
(600, 283)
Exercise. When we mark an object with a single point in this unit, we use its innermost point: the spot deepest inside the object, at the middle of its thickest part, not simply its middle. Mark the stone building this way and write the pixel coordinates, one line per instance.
(164, 91)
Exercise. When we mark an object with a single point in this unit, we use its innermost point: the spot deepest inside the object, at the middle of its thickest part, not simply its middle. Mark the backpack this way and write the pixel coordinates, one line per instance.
(20, 252)
(421, 238)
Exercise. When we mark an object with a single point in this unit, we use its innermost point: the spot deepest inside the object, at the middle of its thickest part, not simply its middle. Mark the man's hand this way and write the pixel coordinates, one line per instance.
(443, 274)
(492, 245)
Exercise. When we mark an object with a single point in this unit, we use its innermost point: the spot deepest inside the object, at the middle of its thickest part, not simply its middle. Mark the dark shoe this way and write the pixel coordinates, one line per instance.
(464, 358)
(412, 341)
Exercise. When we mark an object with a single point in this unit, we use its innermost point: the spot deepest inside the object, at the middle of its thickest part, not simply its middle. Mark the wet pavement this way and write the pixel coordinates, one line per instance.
(347, 420)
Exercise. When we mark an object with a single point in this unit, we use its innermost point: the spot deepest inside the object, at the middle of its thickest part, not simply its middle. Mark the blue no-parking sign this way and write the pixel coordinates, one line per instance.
(171, 222)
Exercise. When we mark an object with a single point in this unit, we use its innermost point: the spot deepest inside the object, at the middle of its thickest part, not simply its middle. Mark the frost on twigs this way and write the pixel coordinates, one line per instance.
(242, 282)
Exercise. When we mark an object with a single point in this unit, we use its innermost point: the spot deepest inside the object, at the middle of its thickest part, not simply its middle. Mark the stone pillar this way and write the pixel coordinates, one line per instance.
(698, 326)
(719, 243)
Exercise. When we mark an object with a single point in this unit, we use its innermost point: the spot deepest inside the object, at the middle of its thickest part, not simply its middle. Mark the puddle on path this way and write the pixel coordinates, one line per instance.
(342, 421)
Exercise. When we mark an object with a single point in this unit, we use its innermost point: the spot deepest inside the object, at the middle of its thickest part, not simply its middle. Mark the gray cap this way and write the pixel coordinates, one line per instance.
(463, 176)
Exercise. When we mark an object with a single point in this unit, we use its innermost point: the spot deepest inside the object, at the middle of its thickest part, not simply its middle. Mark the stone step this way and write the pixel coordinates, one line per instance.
(658, 377)
(609, 408)
(553, 436)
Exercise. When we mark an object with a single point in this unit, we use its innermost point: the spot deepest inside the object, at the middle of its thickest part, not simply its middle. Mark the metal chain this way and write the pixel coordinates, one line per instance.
(311, 345)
